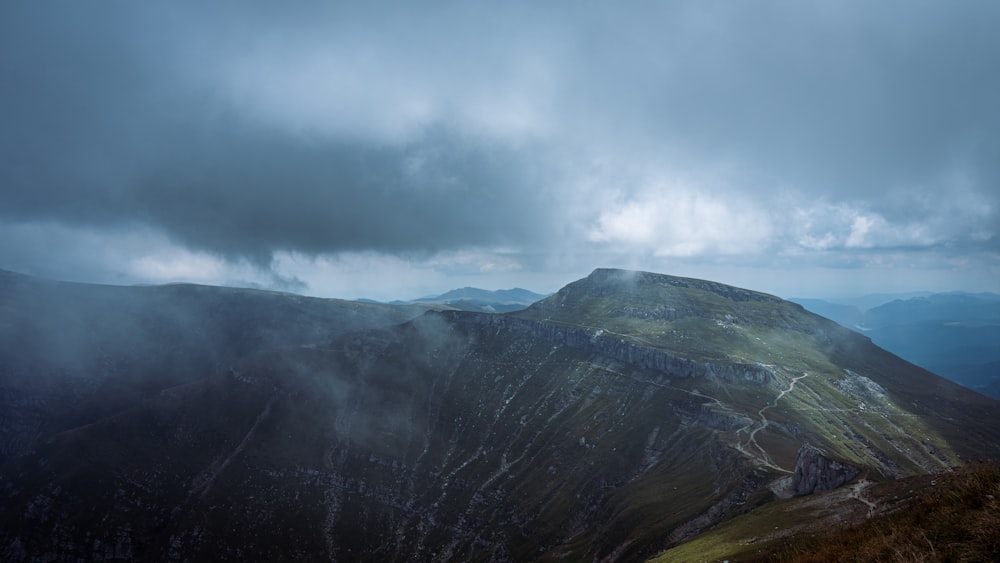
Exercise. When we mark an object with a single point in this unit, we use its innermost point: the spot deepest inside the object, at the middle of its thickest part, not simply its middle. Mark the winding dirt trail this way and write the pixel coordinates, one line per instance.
(763, 458)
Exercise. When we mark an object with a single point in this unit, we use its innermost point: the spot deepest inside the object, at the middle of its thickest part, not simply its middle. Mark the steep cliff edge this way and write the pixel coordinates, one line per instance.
(814, 472)
(619, 347)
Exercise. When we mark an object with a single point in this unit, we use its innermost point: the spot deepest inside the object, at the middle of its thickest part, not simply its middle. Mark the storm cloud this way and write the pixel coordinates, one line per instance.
(219, 140)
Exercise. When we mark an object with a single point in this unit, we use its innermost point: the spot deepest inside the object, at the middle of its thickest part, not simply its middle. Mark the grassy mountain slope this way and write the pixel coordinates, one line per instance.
(952, 517)
(847, 391)
(619, 417)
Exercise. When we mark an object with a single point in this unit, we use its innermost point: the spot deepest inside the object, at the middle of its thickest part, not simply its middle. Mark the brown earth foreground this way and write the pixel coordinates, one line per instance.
(929, 518)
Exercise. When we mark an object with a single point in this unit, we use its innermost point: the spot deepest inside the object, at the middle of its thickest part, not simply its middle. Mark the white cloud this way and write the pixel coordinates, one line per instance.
(855, 225)
(169, 265)
(682, 222)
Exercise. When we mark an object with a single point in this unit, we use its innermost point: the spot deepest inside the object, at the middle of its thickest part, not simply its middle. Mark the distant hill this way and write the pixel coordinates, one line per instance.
(626, 414)
(956, 335)
(481, 300)
(847, 315)
(872, 300)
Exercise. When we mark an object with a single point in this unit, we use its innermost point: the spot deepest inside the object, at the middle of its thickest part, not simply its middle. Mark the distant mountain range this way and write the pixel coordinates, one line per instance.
(481, 300)
(622, 417)
(956, 335)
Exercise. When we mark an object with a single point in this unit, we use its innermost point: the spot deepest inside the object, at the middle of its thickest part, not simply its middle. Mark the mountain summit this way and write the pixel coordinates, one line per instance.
(614, 419)
(720, 329)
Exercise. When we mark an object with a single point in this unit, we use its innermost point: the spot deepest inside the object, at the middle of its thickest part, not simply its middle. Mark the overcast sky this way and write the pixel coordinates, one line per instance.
(395, 149)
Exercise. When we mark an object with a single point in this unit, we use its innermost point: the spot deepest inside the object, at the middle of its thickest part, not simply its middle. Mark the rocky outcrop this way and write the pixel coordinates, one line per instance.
(814, 472)
(644, 357)
(726, 421)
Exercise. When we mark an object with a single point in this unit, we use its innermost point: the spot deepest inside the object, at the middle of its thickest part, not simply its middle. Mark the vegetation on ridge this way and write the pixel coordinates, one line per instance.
(941, 518)
(958, 519)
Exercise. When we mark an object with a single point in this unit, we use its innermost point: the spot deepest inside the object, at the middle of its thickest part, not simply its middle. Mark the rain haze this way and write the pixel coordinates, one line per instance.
(390, 150)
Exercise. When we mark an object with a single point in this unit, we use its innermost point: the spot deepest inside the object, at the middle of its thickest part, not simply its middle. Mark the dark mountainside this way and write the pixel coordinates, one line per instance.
(955, 335)
(615, 419)
(72, 354)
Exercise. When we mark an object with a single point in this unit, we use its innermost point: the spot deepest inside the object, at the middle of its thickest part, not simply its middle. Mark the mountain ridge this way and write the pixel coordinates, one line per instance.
(476, 299)
(616, 418)
(513, 295)
(72, 353)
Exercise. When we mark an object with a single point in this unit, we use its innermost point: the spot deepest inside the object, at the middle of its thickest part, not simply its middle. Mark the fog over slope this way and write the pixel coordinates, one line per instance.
(72, 354)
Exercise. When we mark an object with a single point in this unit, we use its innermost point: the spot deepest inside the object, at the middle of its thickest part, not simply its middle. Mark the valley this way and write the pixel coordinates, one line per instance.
(955, 335)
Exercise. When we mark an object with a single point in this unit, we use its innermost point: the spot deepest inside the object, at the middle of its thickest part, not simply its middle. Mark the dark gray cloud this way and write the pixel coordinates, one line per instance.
(838, 95)
(535, 135)
(106, 126)
(254, 192)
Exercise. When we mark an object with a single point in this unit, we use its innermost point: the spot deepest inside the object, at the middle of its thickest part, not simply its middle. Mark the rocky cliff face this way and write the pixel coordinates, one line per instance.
(814, 472)
(618, 348)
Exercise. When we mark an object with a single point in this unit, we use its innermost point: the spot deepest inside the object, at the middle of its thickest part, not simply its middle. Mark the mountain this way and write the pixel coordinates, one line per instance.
(847, 315)
(619, 417)
(956, 335)
(984, 307)
(516, 295)
(72, 354)
(872, 300)
(481, 300)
